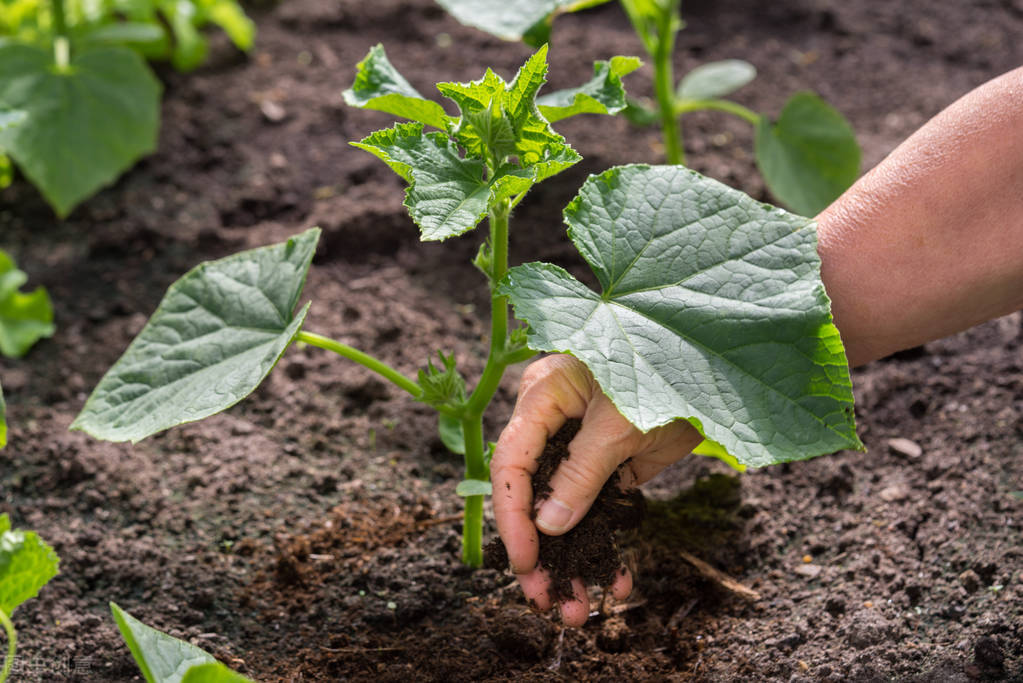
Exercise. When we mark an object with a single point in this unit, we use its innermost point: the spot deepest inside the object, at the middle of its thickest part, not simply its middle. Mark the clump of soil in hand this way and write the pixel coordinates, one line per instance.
(589, 550)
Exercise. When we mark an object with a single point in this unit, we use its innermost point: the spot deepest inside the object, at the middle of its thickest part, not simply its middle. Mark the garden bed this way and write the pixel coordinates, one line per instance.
(311, 533)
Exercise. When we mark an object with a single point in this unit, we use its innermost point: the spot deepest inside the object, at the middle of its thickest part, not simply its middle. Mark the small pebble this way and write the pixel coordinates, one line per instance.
(894, 493)
(810, 571)
(905, 447)
(970, 580)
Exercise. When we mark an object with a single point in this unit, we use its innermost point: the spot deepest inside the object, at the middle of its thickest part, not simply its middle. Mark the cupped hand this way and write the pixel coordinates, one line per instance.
(554, 389)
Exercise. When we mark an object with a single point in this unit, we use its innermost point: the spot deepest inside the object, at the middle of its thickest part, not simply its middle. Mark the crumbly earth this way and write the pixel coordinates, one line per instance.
(311, 532)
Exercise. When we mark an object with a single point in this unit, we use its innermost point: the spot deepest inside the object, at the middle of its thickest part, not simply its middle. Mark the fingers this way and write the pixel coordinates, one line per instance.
(605, 441)
(552, 390)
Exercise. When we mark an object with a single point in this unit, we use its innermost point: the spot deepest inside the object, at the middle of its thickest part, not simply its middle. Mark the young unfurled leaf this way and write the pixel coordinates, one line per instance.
(447, 195)
(513, 19)
(380, 87)
(442, 386)
(451, 433)
(84, 125)
(602, 94)
(809, 156)
(164, 659)
(716, 79)
(24, 318)
(27, 564)
(509, 146)
(216, 335)
(712, 310)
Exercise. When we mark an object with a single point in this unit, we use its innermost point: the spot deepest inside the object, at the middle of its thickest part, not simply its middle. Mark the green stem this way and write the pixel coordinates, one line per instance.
(61, 47)
(12, 645)
(476, 405)
(687, 106)
(664, 82)
(364, 359)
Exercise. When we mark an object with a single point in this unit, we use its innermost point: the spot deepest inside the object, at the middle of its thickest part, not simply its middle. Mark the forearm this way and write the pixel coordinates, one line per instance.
(930, 241)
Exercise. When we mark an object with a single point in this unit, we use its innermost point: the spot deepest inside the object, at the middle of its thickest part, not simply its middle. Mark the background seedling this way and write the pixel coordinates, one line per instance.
(808, 156)
(710, 300)
(27, 564)
(75, 72)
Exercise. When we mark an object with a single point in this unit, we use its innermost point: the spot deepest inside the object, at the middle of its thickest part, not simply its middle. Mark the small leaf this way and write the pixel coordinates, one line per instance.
(24, 318)
(442, 386)
(474, 487)
(85, 125)
(190, 47)
(602, 94)
(380, 87)
(809, 156)
(27, 564)
(230, 16)
(451, 433)
(160, 657)
(213, 672)
(513, 19)
(216, 335)
(712, 310)
(716, 79)
(714, 450)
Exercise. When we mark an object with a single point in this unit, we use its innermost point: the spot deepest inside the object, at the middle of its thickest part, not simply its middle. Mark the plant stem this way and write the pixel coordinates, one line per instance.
(476, 405)
(61, 47)
(664, 87)
(364, 359)
(686, 106)
(12, 645)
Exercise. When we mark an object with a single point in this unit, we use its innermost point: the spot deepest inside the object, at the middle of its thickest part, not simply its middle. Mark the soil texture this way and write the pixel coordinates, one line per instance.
(311, 533)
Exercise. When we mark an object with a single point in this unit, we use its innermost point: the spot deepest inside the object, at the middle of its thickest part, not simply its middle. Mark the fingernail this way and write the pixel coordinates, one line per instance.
(553, 516)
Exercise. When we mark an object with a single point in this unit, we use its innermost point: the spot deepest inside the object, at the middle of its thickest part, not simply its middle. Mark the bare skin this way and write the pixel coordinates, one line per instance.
(928, 243)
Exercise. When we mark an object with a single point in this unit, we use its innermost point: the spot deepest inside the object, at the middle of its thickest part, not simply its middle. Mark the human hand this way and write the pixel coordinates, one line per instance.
(554, 389)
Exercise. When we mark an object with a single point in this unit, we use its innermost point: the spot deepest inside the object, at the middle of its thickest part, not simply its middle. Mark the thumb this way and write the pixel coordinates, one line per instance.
(604, 441)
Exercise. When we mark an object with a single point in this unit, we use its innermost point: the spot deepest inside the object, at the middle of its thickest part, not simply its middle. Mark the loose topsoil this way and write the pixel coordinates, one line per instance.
(311, 532)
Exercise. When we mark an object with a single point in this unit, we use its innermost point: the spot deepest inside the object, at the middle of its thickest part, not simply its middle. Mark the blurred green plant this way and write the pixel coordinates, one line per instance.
(78, 103)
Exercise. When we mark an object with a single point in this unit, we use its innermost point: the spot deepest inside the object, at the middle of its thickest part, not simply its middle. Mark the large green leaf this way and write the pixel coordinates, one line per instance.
(85, 125)
(216, 335)
(809, 156)
(513, 19)
(160, 657)
(712, 310)
(24, 318)
(379, 86)
(27, 563)
(602, 94)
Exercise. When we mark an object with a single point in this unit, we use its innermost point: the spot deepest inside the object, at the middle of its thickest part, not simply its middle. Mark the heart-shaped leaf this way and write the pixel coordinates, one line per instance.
(712, 310)
(85, 124)
(809, 156)
(216, 335)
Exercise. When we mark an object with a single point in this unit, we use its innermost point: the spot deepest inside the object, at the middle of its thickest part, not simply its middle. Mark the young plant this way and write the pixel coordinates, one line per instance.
(712, 308)
(164, 659)
(74, 70)
(26, 565)
(808, 156)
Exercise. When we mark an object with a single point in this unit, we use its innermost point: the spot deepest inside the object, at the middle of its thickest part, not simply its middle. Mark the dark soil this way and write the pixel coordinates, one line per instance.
(589, 551)
(311, 532)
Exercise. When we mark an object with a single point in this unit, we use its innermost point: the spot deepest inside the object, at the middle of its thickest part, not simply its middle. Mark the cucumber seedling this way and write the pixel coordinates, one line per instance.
(711, 309)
